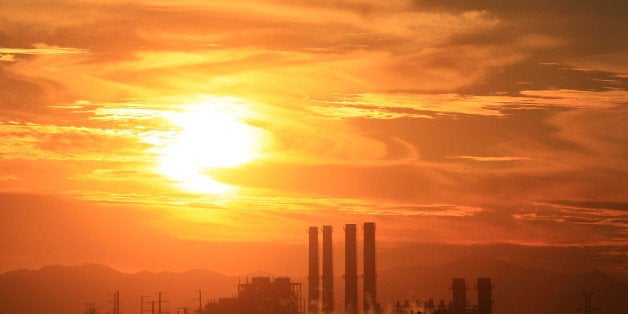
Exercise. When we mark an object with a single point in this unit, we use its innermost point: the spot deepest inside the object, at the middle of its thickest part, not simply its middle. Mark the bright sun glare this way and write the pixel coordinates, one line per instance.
(212, 135)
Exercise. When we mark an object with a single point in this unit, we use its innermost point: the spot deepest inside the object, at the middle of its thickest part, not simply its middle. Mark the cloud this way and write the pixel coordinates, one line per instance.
(343, 112)
(406, 105)
(613, 223)
(7, 57)
(35, 142)
(577, 98)
(437, 210)
(42, 49)
(490, 158)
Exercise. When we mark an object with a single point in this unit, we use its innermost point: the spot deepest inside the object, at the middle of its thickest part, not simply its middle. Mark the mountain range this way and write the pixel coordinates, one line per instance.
(518, 289)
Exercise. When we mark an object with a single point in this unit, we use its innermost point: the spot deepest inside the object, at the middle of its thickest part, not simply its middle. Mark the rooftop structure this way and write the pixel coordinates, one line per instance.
(261, 295)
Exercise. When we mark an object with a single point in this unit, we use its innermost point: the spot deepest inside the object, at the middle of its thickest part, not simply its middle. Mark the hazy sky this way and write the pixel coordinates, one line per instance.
(175, 134)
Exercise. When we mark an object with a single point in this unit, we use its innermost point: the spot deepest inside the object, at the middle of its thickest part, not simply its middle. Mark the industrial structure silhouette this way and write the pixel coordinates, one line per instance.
(459, 303)
(281, 295)
(261, 295)
(351, 271)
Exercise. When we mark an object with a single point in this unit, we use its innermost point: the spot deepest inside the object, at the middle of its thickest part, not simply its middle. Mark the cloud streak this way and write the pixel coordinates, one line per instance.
(43, 49)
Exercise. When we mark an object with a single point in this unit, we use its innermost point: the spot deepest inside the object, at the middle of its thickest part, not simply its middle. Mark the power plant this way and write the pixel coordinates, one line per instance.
(351, 305)
(459, 304)
(280, 295)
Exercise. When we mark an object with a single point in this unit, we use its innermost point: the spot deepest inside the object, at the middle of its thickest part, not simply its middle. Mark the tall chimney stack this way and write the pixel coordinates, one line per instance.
(459, 288)
(485, 299)
(328, 272)
(370, 287)
(351, 270)
(313, 280)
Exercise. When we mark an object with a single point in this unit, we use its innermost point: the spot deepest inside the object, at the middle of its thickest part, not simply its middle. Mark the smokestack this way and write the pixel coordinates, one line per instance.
(328, 271)
(370, 288)
(485, 298)
(459, 295)
(313, 287)
(351, 270)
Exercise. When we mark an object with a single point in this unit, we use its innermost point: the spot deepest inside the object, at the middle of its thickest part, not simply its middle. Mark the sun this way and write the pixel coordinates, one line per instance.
(211, 135)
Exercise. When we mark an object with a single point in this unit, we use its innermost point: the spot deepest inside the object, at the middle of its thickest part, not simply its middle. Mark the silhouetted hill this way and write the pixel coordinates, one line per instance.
(65, 289)
(518, 290)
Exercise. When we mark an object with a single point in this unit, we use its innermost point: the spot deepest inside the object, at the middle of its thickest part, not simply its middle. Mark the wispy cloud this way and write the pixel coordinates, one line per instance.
(35, 142)
(491, 158)
(42, 49)
(7, 57)
(397, 105)
(617, 219)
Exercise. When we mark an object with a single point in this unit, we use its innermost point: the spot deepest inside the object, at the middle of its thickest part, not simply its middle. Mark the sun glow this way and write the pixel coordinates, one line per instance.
(212, 135)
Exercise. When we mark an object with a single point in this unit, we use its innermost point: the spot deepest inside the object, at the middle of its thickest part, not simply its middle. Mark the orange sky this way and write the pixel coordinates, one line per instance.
(205, 129)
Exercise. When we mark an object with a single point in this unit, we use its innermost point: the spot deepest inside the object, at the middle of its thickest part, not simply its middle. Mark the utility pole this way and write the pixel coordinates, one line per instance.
(115, 302)
(200, 301)
(587, 308)
(142, 302)
(90, 308)
(159, 302)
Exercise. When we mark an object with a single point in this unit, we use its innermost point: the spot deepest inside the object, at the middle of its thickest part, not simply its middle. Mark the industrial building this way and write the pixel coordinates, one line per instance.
(262, 295)
(459, 305)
